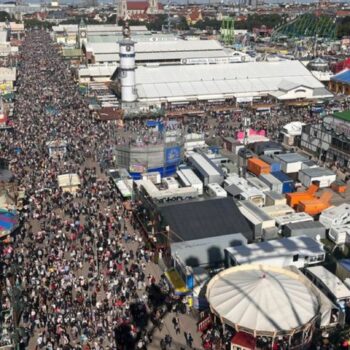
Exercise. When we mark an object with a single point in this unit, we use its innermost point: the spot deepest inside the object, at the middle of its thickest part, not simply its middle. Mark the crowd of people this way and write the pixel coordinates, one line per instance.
(83, 270)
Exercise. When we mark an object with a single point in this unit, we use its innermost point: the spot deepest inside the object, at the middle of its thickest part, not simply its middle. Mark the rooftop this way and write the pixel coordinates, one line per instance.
(276, 251)
(203, 219)
(343, 115)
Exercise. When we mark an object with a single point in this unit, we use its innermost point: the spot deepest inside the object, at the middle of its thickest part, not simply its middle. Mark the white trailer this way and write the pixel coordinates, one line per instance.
(324, 176)
(340, 234)
(298, 251)
(336, 216)
(215, 190)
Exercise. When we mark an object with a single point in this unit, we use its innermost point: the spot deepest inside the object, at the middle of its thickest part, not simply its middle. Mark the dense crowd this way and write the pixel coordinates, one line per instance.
(78, 259)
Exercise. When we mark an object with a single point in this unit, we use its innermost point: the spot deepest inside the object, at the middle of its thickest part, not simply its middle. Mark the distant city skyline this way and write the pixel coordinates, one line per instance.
(184, 1)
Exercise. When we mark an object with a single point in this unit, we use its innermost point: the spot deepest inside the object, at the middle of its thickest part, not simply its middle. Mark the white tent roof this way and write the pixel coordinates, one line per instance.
(261, 299)
(253, 78)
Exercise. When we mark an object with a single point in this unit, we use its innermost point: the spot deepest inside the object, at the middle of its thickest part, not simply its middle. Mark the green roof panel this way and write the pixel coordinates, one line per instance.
(343, 115)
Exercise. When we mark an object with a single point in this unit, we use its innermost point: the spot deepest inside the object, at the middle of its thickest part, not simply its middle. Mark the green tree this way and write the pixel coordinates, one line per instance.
(208, 23)
(35, 23)
(343, 27)
(4, 16)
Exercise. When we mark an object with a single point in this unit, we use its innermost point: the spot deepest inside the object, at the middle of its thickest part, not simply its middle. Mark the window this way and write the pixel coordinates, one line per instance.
(296, 257)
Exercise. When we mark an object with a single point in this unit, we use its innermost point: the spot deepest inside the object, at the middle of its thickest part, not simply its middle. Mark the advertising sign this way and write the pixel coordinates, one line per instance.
(173, 155)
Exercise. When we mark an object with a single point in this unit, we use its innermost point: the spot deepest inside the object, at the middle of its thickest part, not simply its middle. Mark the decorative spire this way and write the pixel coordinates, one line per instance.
(126, 30)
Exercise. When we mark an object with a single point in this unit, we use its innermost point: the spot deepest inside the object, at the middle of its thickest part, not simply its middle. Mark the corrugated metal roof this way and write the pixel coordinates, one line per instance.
(291, 157)
(312, 172)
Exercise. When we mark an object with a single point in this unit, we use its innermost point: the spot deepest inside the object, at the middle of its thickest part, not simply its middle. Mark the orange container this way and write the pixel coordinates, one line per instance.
(258, 167)
(293, 199)
(338, 186)
(315, 206)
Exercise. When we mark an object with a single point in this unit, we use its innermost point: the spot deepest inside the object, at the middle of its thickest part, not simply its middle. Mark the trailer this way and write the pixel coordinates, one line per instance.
(274, 198)
(207, 171)
(336, 216)
(287, 182)
(299, 251)
(272, 182)
(340, 234)
(258, 220)
(324, 176)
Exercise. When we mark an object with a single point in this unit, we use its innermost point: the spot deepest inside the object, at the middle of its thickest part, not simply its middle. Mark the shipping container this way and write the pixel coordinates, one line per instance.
(290, 162)
(287, 182)
(274, 198)
(313, 229)
(293, 199)
(274, 164)
(338, 186)
(257, 183)
(273, 183)
(324, 176)
(278, 210)
(257, 166)
(315, 206)
(215, 190)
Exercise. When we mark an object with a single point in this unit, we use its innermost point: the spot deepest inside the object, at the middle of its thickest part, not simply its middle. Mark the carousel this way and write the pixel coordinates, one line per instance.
(267, 307)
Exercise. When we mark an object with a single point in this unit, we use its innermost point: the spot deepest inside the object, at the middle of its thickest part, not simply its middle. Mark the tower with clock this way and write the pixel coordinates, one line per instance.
(127, 66)
(82, 32)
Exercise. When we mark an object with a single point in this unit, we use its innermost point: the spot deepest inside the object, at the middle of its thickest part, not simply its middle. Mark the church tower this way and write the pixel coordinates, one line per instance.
(122, 9)
(152, 6)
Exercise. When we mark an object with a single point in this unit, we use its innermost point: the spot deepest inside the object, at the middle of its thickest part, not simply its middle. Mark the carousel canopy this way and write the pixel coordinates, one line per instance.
(261, 299)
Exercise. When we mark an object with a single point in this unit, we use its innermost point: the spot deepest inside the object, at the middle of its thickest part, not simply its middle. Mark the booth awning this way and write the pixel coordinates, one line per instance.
(176, 282)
